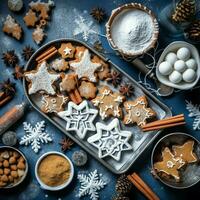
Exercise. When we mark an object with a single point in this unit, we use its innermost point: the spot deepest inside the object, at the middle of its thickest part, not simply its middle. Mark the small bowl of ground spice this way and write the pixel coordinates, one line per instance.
(54, 171)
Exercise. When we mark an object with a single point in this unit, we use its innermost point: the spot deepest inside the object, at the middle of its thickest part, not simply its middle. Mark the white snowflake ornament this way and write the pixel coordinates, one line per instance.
(79, 118)
(194, 111)
(35, 135)
(90, 185)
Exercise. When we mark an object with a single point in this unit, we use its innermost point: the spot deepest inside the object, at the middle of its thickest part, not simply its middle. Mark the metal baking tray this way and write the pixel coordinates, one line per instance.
(140, 141)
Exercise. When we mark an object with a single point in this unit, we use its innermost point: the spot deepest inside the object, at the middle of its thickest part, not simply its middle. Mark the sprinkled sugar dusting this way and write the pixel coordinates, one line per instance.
(132, 31)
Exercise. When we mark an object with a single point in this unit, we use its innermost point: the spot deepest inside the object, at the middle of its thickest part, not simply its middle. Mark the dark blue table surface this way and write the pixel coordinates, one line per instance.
(60, 27)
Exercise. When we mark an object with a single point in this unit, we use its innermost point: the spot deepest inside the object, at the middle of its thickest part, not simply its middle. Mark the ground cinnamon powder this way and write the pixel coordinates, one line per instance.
(54, 170)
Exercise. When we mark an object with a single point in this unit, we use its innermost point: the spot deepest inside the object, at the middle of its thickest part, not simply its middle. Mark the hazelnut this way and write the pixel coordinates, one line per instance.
(21, 159)
(20, 172)
(16, 154)
(21, 165)
(10, 153)
(15, 180)
(14, 174)
(12, 160)
(5, 163)
(4, 178)
(1, 158)
(2, 184)
(5, 155)
(6, 171)
(13, 167)
(1, 171)
(10, 178)
(1, 163)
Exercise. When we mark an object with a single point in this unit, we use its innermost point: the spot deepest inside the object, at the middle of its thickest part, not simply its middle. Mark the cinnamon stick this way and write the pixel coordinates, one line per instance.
(5, 100)
(48, 56)
(163, 126)
(47, 52)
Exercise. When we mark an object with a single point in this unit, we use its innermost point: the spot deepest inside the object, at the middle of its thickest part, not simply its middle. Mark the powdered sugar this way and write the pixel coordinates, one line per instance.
(132, 31)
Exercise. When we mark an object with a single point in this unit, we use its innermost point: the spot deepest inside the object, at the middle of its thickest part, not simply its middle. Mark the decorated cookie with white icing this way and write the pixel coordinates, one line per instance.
(53, 104)
(108, 103)
(84, 67)
(169, 164)
(66, 50)
(110, 140)
(138, 112)
(79, 118)
(41, 80)
(60, 64)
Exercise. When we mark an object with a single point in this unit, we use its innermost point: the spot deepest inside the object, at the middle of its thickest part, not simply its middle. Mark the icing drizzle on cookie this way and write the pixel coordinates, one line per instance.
(41, 80)
(85, 67)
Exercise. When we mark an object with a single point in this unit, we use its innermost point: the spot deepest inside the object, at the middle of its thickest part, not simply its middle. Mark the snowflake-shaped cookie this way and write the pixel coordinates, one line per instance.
(66, 50)
(84, 67)
(108, 102)
(53, 104)
(41, 80)
(110, 139)
(79, 118)
(90, 185)
(35, 135)
(137, 111)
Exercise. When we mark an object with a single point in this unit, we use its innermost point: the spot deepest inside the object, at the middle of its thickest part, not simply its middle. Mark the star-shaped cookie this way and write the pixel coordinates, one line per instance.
(53, 104)
(66, 50)
(185, 151)
(108, 102)
(110, 139)
(84, 67)
(41, 80)
(169, 164)
(79, 118)
(138, 112)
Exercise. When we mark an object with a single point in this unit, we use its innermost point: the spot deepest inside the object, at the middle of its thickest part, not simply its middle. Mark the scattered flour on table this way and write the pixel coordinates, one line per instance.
(132, 31)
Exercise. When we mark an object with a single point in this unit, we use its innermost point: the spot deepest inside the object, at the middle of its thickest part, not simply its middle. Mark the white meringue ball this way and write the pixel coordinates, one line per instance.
(183, 53)
(171, 58)
(189, 75)
(165, 68)
(191, 64)
(180, 66)
(175, 77)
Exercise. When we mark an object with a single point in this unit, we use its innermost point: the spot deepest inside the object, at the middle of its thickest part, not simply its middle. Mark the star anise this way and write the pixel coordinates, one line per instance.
(126, 89)
(10, 58)
(115, 78)
(98, 14)
(18, 73)
(66, 143)
(8, 87)
(98, 46)
(27, 52)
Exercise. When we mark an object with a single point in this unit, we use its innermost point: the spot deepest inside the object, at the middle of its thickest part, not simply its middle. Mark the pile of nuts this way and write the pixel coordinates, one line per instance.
(12, 167)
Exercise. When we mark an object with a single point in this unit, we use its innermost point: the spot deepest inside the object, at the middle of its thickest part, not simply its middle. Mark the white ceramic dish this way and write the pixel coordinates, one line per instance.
(173, 47)
(60, 187)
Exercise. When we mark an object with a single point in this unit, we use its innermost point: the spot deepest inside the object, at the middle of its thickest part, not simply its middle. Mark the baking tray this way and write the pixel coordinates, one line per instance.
(139, 141)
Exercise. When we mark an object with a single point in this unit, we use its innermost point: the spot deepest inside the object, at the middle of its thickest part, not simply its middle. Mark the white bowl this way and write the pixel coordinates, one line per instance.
(173, 47)
(60, 187)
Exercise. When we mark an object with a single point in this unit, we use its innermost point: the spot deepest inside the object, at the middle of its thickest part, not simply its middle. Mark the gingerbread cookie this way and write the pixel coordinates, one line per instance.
(68, 83)
(41, 80)
(108, 103)
(30, 18)
(11, 27)
(87, 90)
(185, 151)
(169, 164)
(53, 104)
(60, 64)
(66, 50)
(85, 68)
(137, 111)
(79, 52)
(38, 35)
(42, 8)
(103, 72)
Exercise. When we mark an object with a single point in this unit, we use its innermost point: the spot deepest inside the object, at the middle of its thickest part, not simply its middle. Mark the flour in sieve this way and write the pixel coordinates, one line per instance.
(132, 31)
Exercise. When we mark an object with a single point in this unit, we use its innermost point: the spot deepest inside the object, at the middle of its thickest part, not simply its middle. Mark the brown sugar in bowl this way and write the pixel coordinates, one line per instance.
(54, 171)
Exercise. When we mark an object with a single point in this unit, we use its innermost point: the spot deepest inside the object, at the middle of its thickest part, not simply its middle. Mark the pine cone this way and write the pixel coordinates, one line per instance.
(184, 12)
(123, 185)
(193, 31)
(120, 197)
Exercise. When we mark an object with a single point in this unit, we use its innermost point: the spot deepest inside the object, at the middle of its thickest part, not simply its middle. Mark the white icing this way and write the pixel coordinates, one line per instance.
(42, 80)
(58, 64)
(132, 30)
(67, 51)
(113, 142)
(85, 68)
